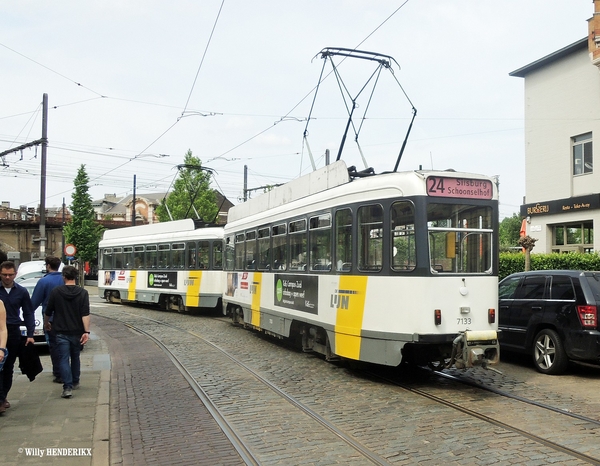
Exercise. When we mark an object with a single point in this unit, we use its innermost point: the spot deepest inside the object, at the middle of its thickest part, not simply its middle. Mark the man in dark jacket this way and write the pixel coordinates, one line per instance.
(69, 308)
(40, 296)
(16, 300)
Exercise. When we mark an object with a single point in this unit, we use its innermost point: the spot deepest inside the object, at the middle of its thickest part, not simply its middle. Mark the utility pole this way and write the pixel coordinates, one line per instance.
(245, 183)
(44, 143)
(133, 205)
(62, 241)
(43, 178)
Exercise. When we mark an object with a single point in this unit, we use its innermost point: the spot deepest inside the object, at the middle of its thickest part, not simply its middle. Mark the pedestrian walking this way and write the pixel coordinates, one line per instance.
(16, 301)
(69, 308)
(3, 335)
(40, 296)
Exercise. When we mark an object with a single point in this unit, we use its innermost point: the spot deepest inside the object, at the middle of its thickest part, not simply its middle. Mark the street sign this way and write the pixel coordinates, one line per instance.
(70, 249)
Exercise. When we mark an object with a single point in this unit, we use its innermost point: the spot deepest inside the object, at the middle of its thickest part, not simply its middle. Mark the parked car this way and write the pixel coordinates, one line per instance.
(552, 315)
(32, 269)
(38, 334)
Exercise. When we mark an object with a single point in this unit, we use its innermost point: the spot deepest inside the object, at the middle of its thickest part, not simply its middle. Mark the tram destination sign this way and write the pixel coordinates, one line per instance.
(468, 188)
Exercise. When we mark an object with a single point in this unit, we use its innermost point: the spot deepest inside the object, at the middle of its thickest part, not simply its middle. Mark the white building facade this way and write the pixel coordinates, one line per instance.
(562, 131)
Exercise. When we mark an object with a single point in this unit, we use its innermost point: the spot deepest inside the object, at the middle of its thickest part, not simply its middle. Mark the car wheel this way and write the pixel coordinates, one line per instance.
(549, 355)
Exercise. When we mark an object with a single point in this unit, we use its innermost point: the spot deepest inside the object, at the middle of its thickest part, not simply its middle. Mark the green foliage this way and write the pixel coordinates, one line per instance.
(515, 262)
(83, 231)
(509, 231)
(191, 191)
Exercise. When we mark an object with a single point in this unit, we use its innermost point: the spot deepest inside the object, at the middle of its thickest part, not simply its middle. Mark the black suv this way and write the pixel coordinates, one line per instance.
(552, 315)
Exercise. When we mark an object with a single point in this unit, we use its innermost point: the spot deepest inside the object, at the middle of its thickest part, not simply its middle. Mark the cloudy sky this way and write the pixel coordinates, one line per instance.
(132, 85)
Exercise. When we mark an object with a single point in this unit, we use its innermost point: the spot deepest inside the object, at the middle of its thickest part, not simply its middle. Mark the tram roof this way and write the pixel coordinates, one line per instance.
(408, 183)
(186, 224)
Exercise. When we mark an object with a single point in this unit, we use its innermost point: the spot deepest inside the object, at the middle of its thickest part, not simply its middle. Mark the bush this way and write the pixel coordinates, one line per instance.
(515, 262)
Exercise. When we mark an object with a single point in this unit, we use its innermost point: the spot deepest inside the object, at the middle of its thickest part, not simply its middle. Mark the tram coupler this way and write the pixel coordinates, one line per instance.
(476, 348)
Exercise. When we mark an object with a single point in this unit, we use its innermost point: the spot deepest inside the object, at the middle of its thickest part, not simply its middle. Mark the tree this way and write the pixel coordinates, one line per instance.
(83, 231)
(191, 196)
(528, 243)
(509, 231)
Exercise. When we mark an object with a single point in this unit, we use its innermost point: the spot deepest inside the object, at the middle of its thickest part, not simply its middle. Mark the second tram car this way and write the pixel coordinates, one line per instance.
(176, 265)
(389, 268)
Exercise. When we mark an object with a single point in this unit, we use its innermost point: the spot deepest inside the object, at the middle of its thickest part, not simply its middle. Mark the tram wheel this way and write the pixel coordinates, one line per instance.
(180, 306)
(437, 365)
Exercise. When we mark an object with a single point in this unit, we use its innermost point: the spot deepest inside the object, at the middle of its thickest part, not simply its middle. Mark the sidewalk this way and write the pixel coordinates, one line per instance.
(40, 427)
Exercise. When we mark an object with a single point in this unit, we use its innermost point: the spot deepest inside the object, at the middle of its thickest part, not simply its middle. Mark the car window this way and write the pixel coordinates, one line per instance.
(562, 288)
(507, 288)
(593, 280)
(532, 288)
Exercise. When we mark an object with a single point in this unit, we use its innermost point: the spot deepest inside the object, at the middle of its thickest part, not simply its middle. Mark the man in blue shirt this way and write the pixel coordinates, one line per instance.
(15, 299)
(40, 297)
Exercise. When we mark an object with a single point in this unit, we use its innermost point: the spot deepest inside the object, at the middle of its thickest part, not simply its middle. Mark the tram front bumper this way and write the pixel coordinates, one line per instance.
(476, 348)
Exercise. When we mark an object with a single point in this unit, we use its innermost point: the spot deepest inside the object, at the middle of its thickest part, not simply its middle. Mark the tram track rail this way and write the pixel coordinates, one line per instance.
(512, 396)
(237, 440)
(263, 371)
(498, 423)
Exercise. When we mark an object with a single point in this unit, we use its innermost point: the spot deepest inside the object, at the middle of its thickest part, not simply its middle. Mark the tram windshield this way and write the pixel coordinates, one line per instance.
(460, 238)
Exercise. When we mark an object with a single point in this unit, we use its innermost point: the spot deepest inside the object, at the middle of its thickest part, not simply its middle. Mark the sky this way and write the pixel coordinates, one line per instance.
(133, 85)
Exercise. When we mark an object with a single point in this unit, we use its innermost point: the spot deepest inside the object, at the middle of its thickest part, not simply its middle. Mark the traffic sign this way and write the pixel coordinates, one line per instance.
(70, 249)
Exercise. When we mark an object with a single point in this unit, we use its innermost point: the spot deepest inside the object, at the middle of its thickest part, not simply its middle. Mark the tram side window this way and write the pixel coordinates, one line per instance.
(229, 253)
(264, 249)
(320, 242)
(191, 255)
(370, 238)
(118, 258)
(151, 256)
(298, 245)
(251, 250)
(217, 259)
(107, 262)
(279, 247)
(178, 255)
(138, 257)
(239, 251)
(163, 256)
(203, 255)
(343, 240)
(128, 256)
(404, 253)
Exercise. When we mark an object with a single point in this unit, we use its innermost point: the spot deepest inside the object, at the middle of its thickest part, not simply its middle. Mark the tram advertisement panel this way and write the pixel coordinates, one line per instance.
(299, 292)
(242, 285)
(162, 280)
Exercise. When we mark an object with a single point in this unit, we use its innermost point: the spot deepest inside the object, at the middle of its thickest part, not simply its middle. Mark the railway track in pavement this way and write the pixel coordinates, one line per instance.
(287, 407)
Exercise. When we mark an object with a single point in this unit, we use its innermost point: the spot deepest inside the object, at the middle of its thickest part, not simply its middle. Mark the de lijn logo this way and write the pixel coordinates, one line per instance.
(151, 279)
(279, 290)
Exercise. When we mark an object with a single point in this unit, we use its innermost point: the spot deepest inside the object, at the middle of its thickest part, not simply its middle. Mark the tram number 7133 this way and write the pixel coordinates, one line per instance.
(464, 321)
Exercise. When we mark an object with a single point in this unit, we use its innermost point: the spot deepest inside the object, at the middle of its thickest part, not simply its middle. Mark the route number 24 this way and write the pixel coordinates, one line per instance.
(436, 185)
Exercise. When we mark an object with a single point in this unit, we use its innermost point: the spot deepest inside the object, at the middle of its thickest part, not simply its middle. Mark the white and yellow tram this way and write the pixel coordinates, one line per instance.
(386, 268)
(176, 265)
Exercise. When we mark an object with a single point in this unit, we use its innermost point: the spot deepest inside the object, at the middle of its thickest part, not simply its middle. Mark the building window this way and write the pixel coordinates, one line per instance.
(573, 237)
(583, 161)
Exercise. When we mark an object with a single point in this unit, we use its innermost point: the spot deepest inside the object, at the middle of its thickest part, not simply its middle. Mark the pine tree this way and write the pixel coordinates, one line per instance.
(191, 194)
(83, 231)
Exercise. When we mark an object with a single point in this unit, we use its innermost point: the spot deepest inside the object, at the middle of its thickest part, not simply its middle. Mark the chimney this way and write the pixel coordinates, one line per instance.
(594, 35)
